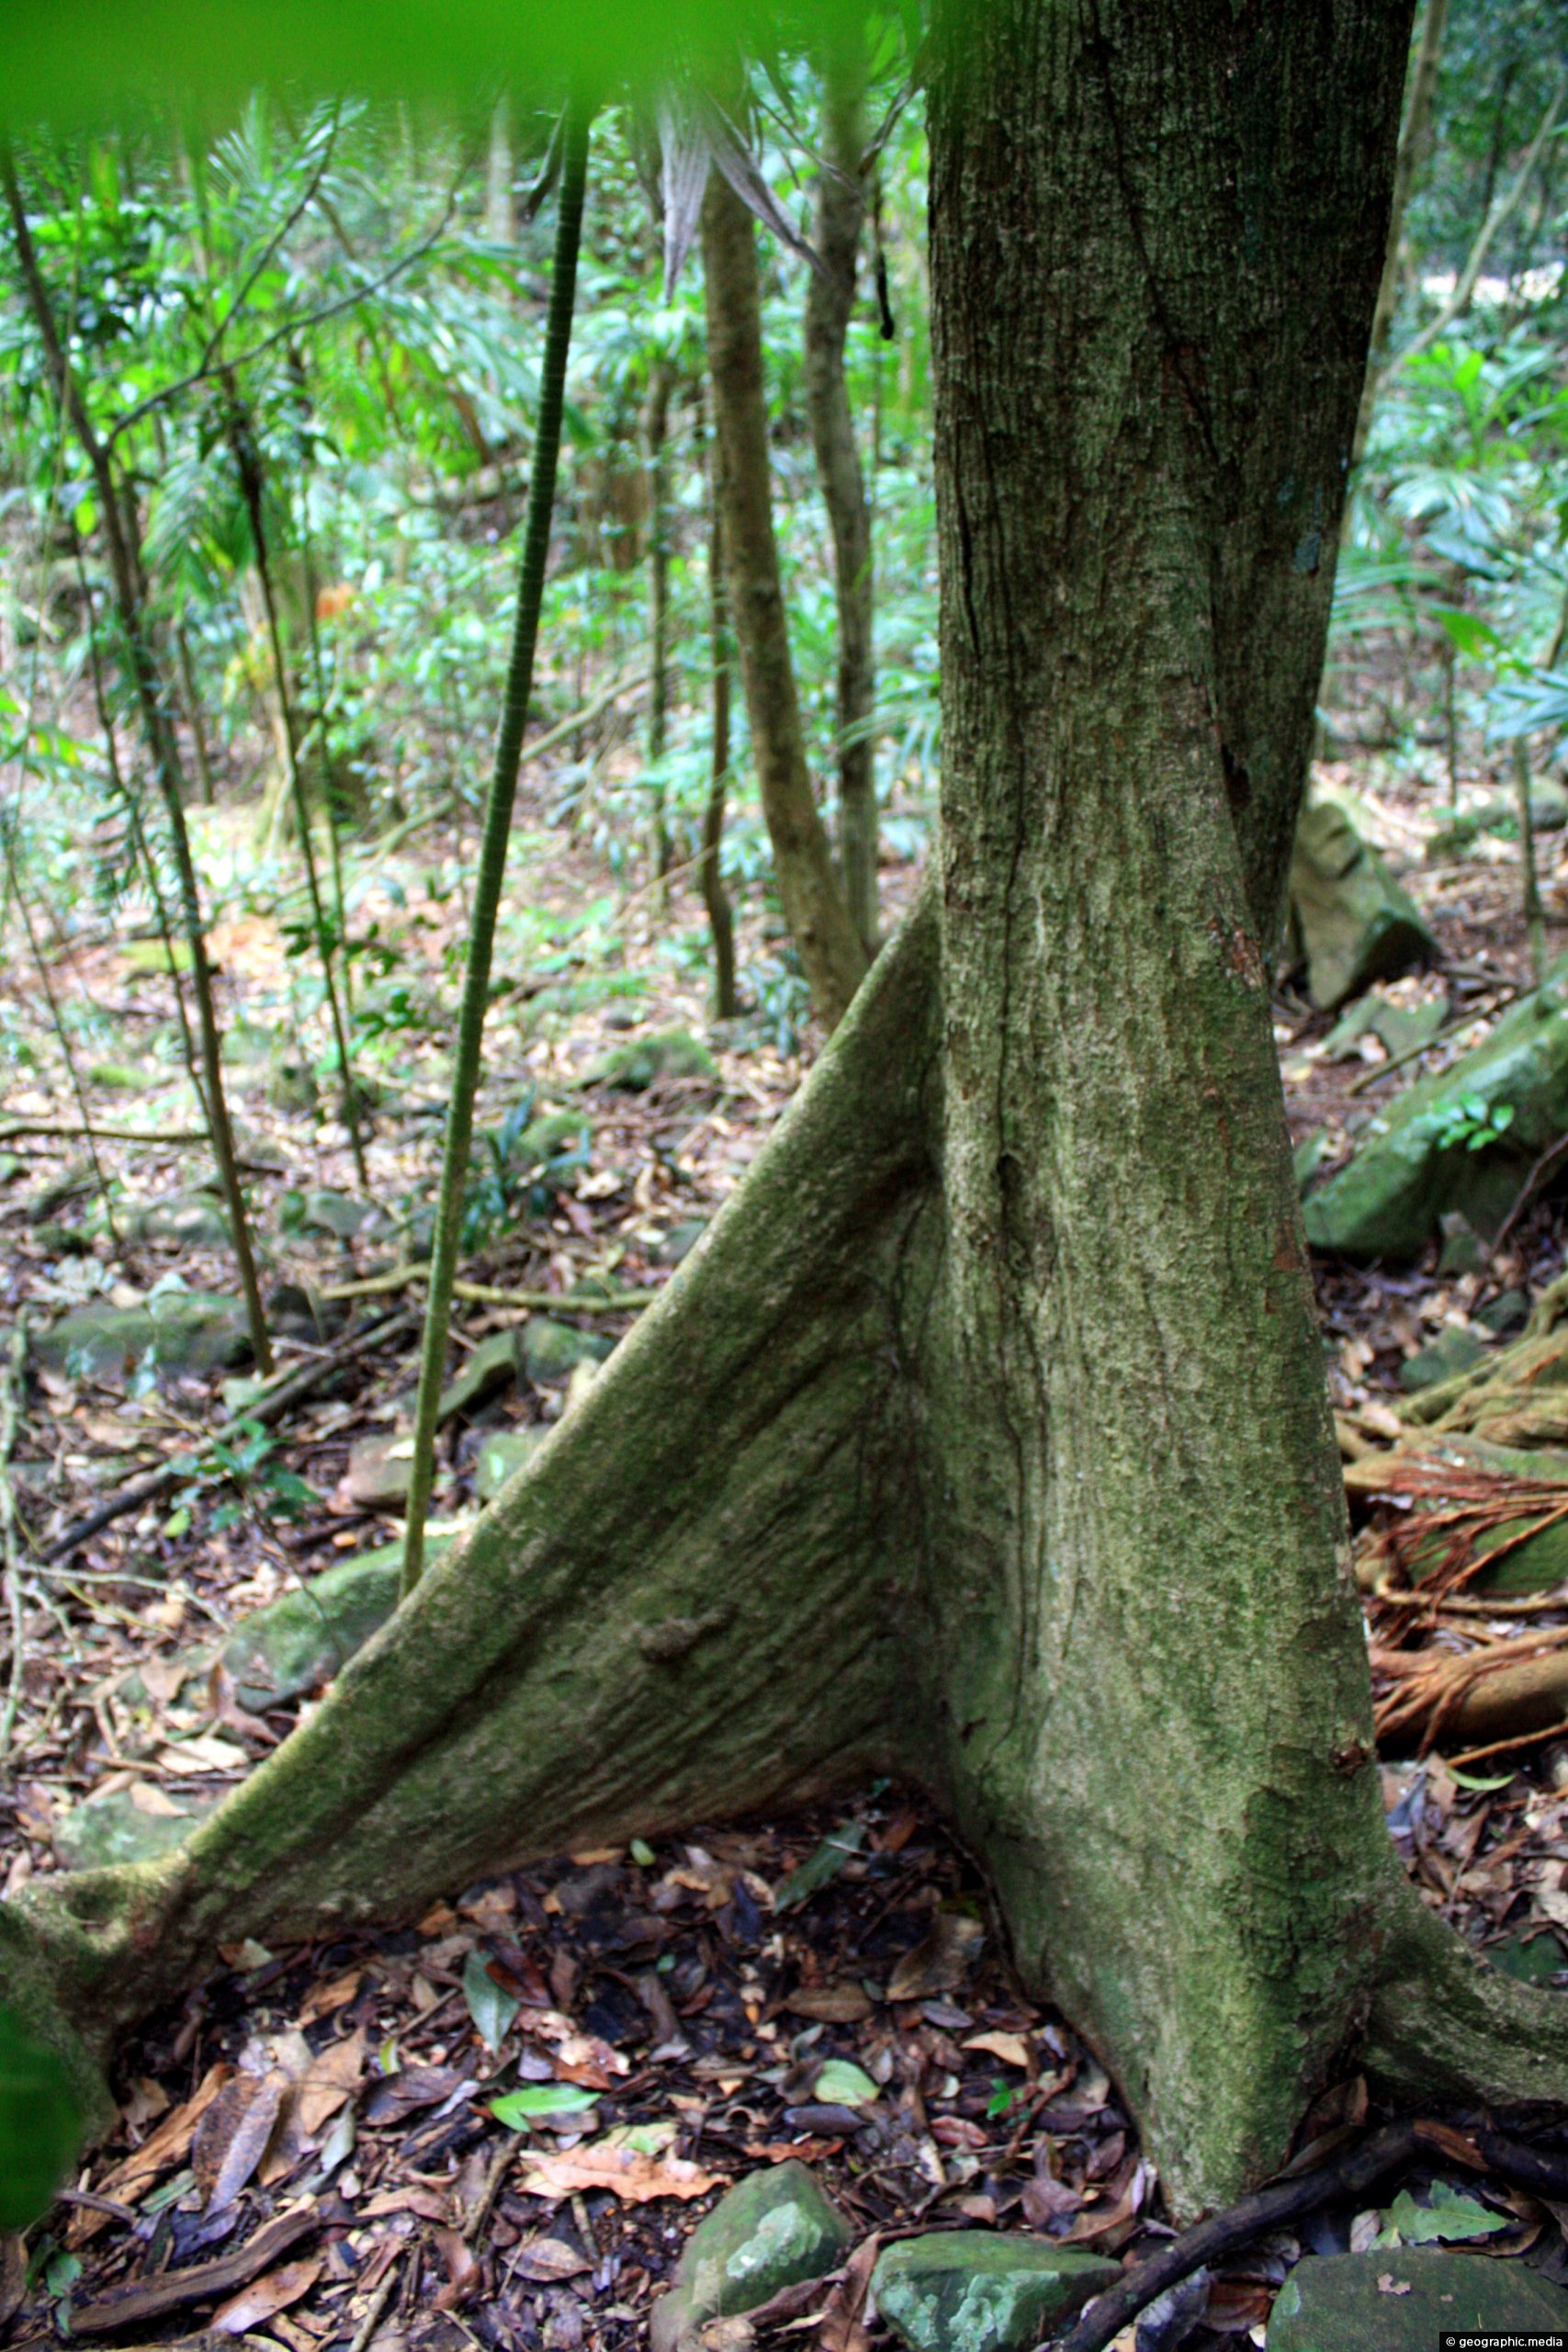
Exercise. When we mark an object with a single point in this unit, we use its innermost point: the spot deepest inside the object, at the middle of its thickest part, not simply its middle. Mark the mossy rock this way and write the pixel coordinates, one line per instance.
(188, 1332)
(552, 1350)
(558, 1132)
(193, 1220)
(1455, 1350)
(113, 1829)
(491, 1368)
(1354, 922)
(302, 1641)
(340, 1214)
(668, 1053)
(500, 1455)
(968, 2291)
(1413, 1161)
(1405, 2300)
(773, 2230)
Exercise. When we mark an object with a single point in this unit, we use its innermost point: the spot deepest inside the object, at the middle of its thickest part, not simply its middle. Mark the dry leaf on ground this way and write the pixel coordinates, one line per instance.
(265, 2298)
(633, 2174)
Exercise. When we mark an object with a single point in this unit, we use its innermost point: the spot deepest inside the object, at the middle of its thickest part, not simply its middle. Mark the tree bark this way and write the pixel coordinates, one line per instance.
(814, 903)
(829, 300)
(655, 421)
(721, 921)
(1000, 1372)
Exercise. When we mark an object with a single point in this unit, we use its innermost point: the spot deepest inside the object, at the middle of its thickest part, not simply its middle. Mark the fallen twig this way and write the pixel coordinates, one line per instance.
(202, 2282)
(1349, 2174)
(619, 1302)
(268, 1408)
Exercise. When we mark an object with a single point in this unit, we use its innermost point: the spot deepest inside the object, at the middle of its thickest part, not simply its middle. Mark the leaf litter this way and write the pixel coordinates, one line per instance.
(499, 2125)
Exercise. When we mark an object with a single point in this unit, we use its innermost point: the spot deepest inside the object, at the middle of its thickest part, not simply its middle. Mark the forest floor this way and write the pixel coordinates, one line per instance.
(824, 1986)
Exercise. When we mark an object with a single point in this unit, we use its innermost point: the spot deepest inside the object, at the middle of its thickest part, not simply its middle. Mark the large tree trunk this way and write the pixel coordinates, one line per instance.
(814, 903)
(1000, 1374)
(829, 300)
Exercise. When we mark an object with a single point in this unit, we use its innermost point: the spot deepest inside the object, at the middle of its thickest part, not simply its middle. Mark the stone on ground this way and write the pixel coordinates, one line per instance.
(1420, 1157)
(1456, 1349)
(339, 1213)
(670, 1053)
(500, 1455)
(299, 1641)
(1404, 2300)
(380, 1473)
(773, 2230)
(193, 1220)
(491, 1367)
(115, 1829)
(551, 1350)
(187, 1332)
(1354, 921)
(966, 2290)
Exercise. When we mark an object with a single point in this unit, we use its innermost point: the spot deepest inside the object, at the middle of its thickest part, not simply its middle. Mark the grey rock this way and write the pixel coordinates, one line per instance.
(551, 1350)
(192, 1220)
(1355, 923)
(966, 2290)
(491, 1368)
(670, 1053)
(1414, 1161)
(1402, 2299)
(1455, 1350)
(188, 1332)
(111, 1829)
(339, 1213)
(500, 1455)
(287, 1650)
(773, 2230)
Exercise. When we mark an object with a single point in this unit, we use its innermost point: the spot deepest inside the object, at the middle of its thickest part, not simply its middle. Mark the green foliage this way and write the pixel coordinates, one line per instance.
(1448, 2217)
(1471, 1123)
(41, 2125)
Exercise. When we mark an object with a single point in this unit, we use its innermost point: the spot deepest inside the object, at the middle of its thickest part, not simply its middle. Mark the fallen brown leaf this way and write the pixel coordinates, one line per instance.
(163, 2149)
(632, 2174)
(331, 2081)
(548, 2260)
(265, 2298)
(831, 2004)
(322, 2000)
(233, 2135)
(940, 1962)
(844, 2327)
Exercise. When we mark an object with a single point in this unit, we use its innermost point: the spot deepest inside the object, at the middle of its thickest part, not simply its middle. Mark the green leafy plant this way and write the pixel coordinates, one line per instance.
(1448, 2217)
(1471, 1123)
(41, 2125)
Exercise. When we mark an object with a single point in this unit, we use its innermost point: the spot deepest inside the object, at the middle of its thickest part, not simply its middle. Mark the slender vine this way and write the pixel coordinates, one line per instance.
(248, 465)
(496, 829)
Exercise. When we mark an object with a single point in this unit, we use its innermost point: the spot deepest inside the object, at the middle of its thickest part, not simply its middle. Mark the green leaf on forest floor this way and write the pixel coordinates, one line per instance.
(843, 2084)
(1446, 2217)
(821, 1867)
(519, 2110)
(489, 2005)
(41, 2124)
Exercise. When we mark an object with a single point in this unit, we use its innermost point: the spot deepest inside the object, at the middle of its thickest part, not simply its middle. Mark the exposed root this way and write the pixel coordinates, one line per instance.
(632, 1637)
(1447, 2025)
